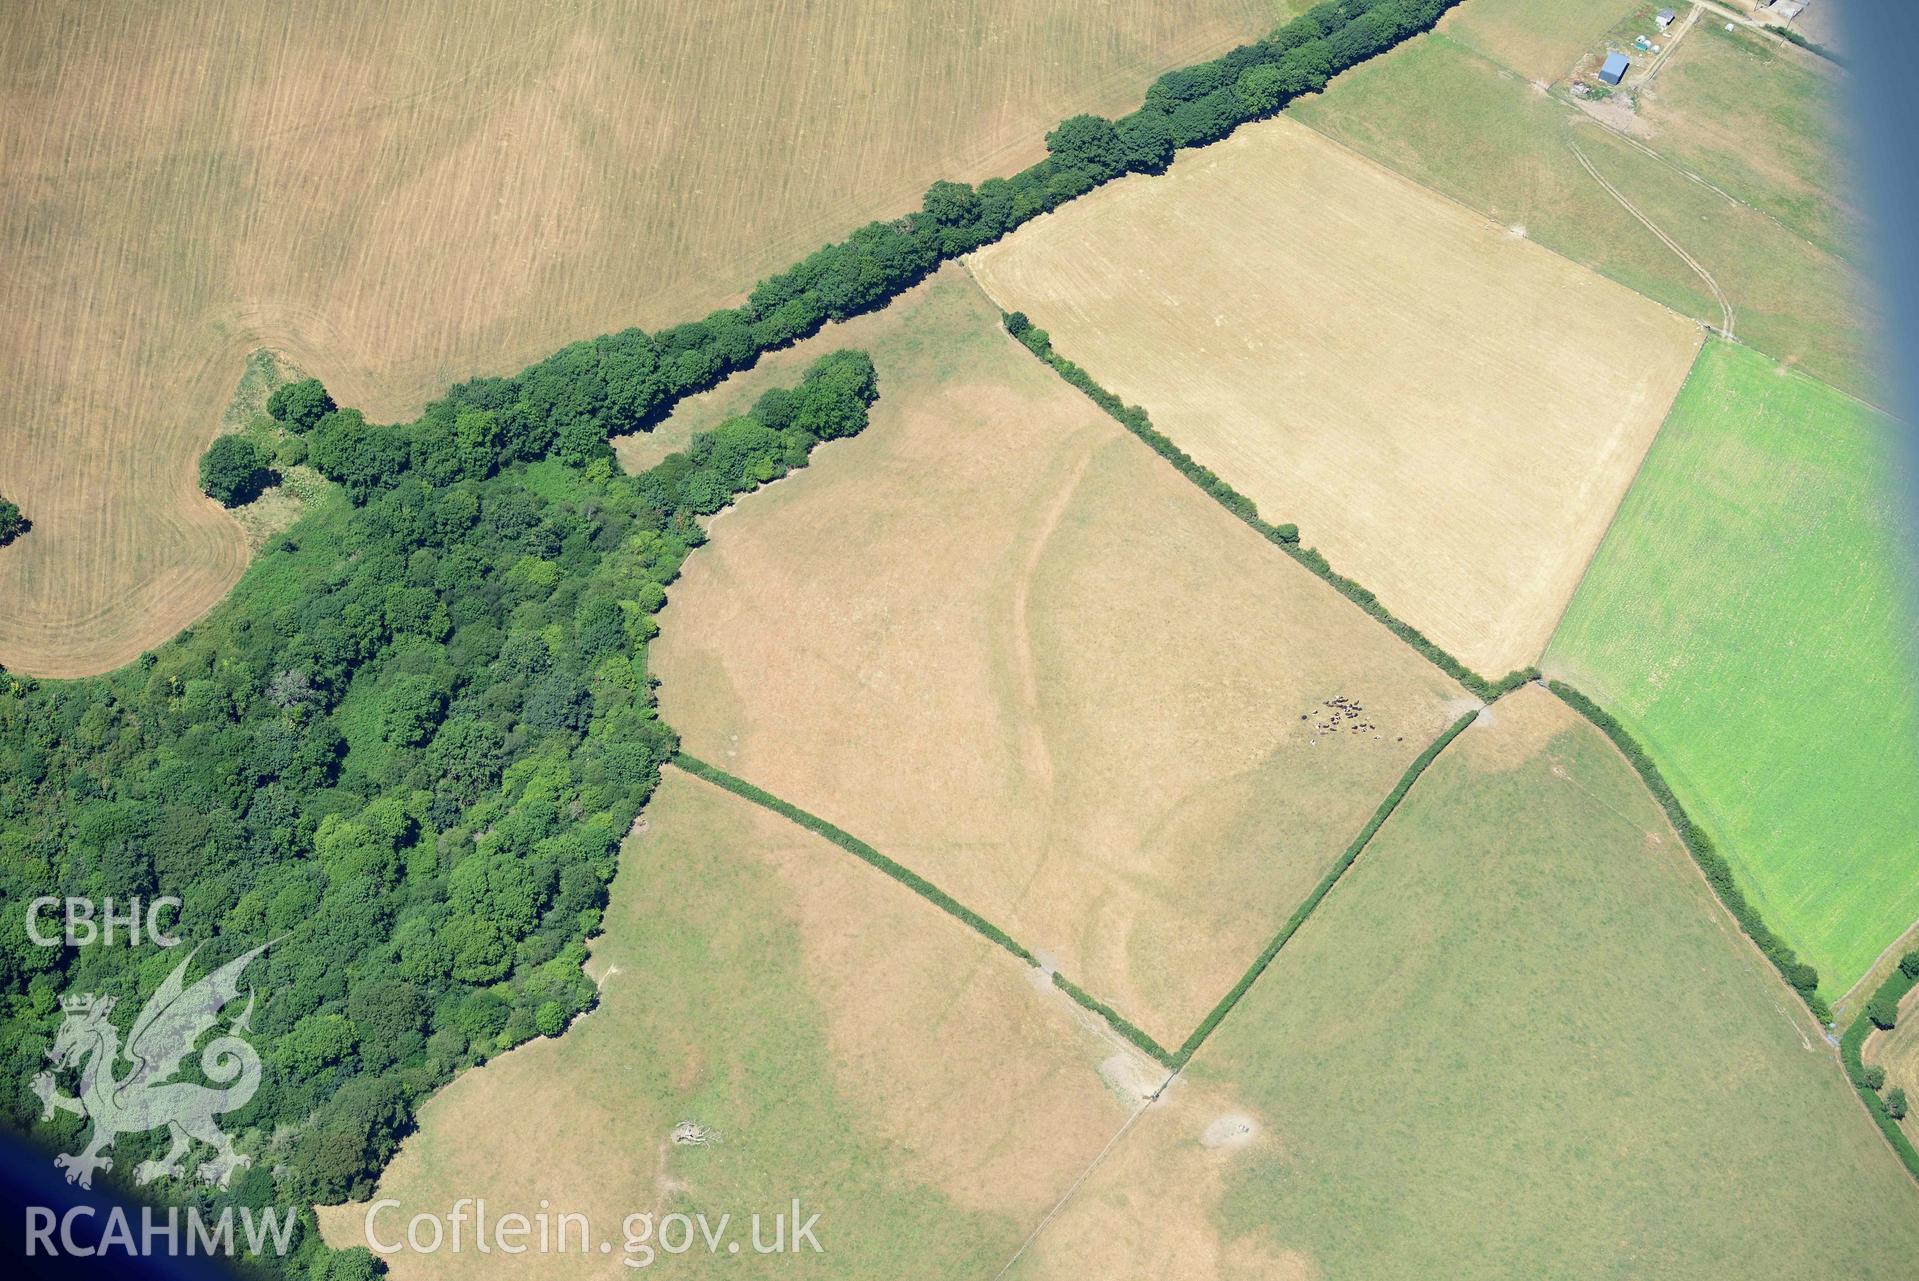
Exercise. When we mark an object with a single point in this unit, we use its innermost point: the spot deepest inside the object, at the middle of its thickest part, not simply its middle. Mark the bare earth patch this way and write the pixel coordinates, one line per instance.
(1151, 1208)
(1448, 411)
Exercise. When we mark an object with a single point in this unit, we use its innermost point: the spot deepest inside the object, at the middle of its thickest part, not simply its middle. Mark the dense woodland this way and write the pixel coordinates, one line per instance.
(408, 744)
(406, 749)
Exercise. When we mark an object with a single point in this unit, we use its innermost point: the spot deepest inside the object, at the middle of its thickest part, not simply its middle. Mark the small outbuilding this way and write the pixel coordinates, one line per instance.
(1615, 69)
(1665, 18)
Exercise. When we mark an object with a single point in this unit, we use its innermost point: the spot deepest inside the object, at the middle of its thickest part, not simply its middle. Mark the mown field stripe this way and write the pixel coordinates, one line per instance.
(1135, 419)
(1325, 887)
(921, 886)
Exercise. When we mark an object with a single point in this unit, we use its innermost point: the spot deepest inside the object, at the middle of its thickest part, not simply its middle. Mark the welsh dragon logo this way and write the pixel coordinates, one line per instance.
(146, 1096)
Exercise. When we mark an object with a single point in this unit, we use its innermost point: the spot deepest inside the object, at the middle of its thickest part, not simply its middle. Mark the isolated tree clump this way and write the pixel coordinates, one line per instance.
(12, 523)
(233, 470)
(299, 405)
(1896, 1103)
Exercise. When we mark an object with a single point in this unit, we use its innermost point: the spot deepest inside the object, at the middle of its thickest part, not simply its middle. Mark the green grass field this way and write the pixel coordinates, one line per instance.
(1743, 617)
(1520, 1040)
(1448, 117)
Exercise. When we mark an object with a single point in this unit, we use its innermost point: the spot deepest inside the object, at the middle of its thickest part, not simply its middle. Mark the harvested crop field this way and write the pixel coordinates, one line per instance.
(399, 199)
(1745, 619)
(1000, 640)
(900, 1076)
(1447, 411)
(1521, 996)
(1448, 118)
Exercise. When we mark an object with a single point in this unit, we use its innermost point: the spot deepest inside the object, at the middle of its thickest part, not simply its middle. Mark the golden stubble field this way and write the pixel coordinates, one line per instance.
(1448, 411)
(398, 197)
(835, 1038)
(999, 639)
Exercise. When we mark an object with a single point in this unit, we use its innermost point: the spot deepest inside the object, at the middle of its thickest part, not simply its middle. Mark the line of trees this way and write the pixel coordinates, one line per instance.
(406, 748)
(407, 745)
(1882, 1012)
(570, 403)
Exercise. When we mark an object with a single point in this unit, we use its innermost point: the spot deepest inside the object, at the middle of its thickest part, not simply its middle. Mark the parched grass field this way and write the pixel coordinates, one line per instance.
(1447, 117)
(1519, 1040)
(1539, 39)
(1449, 412)
(1764, 121)
(400, 198)
(843, 1041)
(999, 639)
(1745, 618)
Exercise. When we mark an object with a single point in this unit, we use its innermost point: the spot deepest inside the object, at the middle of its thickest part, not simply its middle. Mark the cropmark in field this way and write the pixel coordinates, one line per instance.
(776, 1021)
(999, 640)
(1745, 620)
(1519, 1040)
(1447, 411)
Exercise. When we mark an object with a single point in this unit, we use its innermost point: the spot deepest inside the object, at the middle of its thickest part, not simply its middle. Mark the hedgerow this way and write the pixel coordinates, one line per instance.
(1118, 1021)
(1803, 978)
(924, 888)
(1868, 1081)
(859, 849)
(1352, 852)
(1285, 537)
(408, 743)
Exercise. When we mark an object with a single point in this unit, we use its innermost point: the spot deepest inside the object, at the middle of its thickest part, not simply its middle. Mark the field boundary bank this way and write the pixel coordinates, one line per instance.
(1800, 976)
(1135, 419)
(925, 889)
(1852, 1046)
